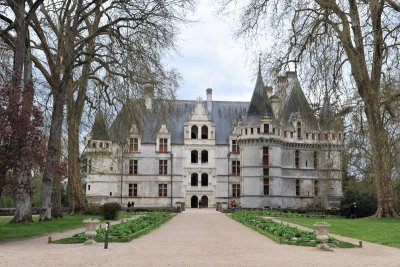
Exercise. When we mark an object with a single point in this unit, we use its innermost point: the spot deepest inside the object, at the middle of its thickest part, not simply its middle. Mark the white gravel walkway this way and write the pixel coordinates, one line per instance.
(196, 237)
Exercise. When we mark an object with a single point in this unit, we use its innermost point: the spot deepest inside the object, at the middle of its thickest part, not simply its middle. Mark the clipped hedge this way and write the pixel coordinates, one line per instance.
(283, 233)
(125, 232)
(110, 210)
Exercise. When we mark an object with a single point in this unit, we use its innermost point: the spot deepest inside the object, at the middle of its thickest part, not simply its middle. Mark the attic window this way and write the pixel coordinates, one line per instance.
(285, 134)
(334, 136)
(245, 131)
(101, 145)
(266, 128)
(258, 130)
(340, 136)
(133, 144)
(204, 132)
(107, 145)
(291, 134)
(273, 130)
(298, 130)
(251, 130)
(195, 132)
(313, 136)
(326, 136)
(306, 135)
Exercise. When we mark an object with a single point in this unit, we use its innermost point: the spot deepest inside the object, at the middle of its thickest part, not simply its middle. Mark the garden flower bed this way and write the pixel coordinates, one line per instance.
(282, 233)
(124, 232)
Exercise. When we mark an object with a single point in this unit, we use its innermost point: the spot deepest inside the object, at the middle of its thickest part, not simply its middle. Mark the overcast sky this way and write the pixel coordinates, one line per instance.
(209, 56)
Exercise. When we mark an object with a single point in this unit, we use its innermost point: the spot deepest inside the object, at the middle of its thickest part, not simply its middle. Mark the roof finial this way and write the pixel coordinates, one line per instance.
(259, 63)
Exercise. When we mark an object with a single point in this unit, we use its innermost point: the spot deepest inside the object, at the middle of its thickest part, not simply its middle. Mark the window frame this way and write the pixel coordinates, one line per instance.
(163, 167)
(163, 190)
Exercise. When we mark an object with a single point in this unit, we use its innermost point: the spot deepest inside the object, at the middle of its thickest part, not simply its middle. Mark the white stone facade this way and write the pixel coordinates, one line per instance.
(214, 147)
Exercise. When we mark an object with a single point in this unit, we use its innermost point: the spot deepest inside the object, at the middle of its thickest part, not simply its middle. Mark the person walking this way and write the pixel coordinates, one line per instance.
(353, 208)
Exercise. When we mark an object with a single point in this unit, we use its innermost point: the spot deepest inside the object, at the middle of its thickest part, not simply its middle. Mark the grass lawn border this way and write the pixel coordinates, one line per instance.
(339, 243)
(157, 224)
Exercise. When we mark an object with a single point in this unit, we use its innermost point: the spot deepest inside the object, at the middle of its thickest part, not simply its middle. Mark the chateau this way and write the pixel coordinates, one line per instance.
(270, 152)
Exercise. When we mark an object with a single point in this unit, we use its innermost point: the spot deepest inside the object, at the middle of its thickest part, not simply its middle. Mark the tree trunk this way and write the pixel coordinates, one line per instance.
(75, 192)
(56, 195)
(22, 195)
(53, 155)
(381, 158)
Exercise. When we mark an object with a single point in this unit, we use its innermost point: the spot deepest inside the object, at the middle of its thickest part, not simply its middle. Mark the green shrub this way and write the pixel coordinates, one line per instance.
(93, 209)
(366, 203)
(110, 210)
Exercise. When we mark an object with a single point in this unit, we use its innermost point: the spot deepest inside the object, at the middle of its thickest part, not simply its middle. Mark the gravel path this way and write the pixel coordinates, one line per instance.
(196, 237)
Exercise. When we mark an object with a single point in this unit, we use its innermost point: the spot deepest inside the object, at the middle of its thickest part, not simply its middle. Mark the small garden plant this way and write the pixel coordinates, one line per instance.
(282, 233)
(126, 231)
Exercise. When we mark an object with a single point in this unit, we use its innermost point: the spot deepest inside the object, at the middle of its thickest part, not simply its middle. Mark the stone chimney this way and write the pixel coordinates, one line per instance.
(209, 99)
(291, 75)
(275, 104)
(148, 97)
(268, 91)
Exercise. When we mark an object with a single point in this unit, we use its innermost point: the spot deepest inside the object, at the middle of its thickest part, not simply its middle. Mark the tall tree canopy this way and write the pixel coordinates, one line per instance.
(86, 44)
(338, 44)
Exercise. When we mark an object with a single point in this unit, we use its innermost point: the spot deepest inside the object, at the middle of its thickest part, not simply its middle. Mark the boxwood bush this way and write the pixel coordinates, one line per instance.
(110, 210)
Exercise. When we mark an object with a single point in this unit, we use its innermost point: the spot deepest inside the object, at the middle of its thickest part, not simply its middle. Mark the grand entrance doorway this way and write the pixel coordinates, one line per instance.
(204, 202)
(194, 202)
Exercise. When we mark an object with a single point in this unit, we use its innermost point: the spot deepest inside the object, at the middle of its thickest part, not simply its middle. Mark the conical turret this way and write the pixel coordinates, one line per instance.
(99, 129)
(259, 105)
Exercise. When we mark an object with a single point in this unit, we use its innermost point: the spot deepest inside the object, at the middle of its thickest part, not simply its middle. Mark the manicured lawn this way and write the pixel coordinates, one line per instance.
(20, 231)
(382, 231)
(127, 231)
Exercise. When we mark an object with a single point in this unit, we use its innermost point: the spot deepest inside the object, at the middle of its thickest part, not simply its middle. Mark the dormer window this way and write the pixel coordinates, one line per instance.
(204, 132)
(298, 130)
(235, 146)
(194, 132)
(163, 145)
(133, 144)
(266, 128)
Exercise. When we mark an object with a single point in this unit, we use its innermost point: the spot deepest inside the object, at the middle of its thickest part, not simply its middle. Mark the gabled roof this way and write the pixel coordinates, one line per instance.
(297, 104)
(259, 105)
(99, 129)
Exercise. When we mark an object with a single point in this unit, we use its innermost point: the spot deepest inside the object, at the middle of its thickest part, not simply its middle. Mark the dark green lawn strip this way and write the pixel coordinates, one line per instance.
(79, 238)
(383, 231)
(10, 231)
(246, 220)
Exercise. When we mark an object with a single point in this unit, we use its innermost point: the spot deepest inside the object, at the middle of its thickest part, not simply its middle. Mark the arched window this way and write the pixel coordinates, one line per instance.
(204, 179)
(204, 132)
(194, 132)
(204, 156)
(194, 180)
(194, 156)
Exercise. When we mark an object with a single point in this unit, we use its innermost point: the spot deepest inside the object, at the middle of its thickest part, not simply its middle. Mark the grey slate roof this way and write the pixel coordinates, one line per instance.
(224, 116)
(259, 104)
(99, 129)
(297, 104)
(326, 117)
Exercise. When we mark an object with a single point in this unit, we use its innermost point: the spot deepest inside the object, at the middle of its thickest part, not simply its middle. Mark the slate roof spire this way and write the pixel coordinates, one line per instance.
(326, 116)
(259, 105)
(99, 129)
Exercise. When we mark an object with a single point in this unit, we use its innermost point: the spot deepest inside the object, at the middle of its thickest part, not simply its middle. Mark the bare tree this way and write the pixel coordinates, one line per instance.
(73, 43)
(20, 119)
(359, 38)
